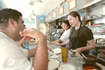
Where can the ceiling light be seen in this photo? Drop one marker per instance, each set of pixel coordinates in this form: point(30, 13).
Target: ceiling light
point(31, 20)
point(32, 14)
point(36, 2)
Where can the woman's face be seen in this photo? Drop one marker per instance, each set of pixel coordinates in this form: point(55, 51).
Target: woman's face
point(72, 20)
point(65, 26)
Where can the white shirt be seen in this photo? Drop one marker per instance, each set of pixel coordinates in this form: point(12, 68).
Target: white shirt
point(65, 35)
point(12, 56)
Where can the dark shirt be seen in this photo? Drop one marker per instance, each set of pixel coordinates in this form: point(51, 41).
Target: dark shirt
point(85, 35)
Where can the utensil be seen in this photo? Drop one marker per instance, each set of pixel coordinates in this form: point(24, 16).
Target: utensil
point(73, 52)
point(83, 55)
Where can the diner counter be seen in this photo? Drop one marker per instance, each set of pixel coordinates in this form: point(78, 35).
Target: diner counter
point(76, 61)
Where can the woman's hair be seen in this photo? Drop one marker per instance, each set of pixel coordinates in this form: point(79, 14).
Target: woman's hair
point(75, 14)
point(66, 22)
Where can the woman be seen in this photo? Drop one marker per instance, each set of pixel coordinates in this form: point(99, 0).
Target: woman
point(66, 26)
point(80, 35)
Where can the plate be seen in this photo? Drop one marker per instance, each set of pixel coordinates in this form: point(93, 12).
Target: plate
point(66, 67)
point(57, 51)
point(53, 64)
point(54, 56)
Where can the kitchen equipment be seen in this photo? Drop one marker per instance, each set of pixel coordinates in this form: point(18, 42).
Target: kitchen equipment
point(57, 35)
point(100, 42)
point(88, 17)
point(90, 59)
point(83, 55)
point(82, 18)
point(100, 29)
point(89, 66)
point(73, 52)
point(94, 16)
point(60, 31)
point(101, 54)
point(97, 24)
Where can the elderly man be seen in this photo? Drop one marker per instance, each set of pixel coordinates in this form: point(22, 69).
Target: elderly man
point(12, 56)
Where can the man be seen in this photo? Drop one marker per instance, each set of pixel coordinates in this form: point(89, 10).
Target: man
point(12, 56)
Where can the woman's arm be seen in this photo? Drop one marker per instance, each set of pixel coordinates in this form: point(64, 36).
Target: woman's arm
point(57, 41)
point(64, 43)
point(91, 45)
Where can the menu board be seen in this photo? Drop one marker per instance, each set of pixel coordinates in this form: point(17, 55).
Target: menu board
point(87, 0)
point(54, 14)
point(46, 18)
point(61, 10)
point(50, 17)
point(71, 4)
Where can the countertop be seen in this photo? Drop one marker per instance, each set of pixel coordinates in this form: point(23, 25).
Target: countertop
point(77, 62)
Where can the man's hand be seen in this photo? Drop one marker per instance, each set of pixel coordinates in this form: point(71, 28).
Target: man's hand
point(50, 50)
point(40, 61)
point(30, 33)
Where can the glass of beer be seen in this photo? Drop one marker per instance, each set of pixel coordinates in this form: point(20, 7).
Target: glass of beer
point(64, 51)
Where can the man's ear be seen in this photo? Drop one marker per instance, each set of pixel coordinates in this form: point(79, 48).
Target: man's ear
point(12, 23)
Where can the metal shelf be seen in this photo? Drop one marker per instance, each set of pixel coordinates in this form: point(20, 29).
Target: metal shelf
point(99, 33)
point(95, 18)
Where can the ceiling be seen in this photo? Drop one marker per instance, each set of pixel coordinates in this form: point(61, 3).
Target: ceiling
point(24, 6)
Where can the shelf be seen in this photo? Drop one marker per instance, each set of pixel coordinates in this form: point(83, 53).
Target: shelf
point(89, 4)
point(95, 18)
point(103, 3)
point(99, 33)
point(101, 61)
point(102, 47)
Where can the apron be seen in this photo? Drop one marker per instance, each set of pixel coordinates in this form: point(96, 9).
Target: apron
point(74, 41)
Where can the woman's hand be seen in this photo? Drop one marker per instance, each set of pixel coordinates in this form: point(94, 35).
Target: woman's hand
point(50, 42)
point(57, 43)
point(78, 50)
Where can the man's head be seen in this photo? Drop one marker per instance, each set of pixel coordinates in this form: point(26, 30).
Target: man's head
point(6, 14)
point(11, 23)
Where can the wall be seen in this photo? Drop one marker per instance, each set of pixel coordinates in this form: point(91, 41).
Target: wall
point(35, 23)
point(28, 23)
point(42, 27)
point(79, 5)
